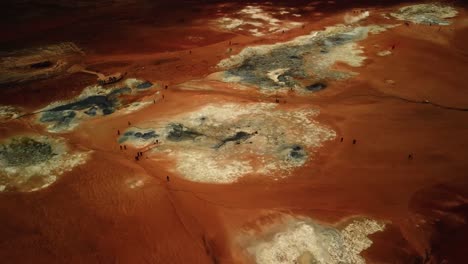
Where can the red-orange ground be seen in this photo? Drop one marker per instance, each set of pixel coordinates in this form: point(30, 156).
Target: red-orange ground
point(91, 216)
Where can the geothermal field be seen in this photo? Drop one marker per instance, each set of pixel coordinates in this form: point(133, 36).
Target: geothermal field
point(234, 132)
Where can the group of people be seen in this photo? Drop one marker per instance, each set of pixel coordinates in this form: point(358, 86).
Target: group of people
point(139, 155)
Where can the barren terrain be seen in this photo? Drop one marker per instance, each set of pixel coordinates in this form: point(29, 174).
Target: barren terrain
point(314, 132)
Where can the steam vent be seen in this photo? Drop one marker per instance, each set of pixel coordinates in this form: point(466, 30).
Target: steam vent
point(222, 132)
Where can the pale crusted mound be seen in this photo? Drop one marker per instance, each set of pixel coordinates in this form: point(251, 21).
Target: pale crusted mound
point(301, 62)
point(219, 143)
point(9, 112)
point(93, 101)
point(303, 241)
point(256, 21)
point(384, 53)
point(426, 14)
point(33, 163)
point(350, 19)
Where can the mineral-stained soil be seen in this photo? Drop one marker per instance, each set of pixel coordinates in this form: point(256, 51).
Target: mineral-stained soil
point(305, 132)
point(38, 63)
point(30, 163)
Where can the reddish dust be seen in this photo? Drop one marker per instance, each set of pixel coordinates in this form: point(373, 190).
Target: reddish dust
point(116, 209)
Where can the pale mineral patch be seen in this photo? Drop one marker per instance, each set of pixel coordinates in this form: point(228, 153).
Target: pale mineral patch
point(385, 16)
point(428, 14)
point(384, 53)
point(136, 182)
point(274, 74)
point(94, 101)
point(299, 240)
point(262, 21)
point(256, 32)
point(231, 23)
point(9, 112)
point(310, 57)
point(220, 143)
point(355, 33)
point(32, 163)
point(350, 19)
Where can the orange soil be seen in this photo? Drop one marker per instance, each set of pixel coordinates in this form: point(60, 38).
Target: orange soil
point(91, 215)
